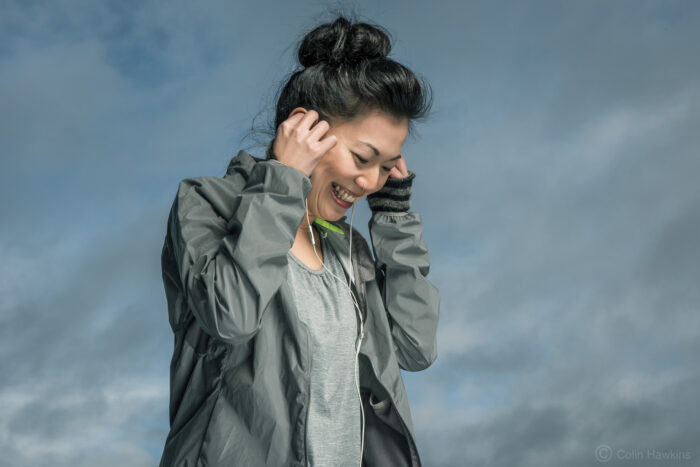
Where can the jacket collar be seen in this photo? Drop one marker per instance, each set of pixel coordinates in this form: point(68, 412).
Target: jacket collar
point(362, 262)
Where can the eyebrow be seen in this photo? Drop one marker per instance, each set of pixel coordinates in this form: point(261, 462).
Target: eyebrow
point(376, 151)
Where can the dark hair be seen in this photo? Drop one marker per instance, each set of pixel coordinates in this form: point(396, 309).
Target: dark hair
point(346, 73)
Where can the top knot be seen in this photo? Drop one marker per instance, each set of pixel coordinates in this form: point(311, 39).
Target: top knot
point(342, 42)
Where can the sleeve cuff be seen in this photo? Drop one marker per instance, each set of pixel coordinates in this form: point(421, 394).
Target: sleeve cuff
point(394, 197)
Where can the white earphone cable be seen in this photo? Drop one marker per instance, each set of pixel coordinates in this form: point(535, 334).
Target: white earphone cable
point(357, 307)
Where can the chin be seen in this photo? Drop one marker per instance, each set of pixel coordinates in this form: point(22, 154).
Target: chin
point(336, 216)
point(335, 212)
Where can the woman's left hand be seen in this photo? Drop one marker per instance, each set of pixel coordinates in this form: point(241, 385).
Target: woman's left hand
point(399, 170)
point(394, 195)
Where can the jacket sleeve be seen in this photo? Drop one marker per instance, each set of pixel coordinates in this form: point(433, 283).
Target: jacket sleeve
point(230, 246)
point(411, 301)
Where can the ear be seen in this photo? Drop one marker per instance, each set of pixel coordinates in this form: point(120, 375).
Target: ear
point(296, 111)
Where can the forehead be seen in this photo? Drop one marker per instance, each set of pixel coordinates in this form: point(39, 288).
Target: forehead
point(377, 118)
point(377, 128)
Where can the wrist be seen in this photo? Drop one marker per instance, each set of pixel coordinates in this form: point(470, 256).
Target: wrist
point(394, 196)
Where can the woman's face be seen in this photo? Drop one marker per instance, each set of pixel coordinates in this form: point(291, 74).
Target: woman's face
point(353, 165)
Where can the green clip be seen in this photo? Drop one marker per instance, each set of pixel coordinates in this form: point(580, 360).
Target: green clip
point(328, 225)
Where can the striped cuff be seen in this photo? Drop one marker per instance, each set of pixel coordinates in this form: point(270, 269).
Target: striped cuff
point(394, 195)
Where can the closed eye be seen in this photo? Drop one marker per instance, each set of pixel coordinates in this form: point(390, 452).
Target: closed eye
point(364, 161)
point(359, 158)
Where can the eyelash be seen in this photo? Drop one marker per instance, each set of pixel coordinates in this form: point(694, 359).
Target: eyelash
point(364, 162)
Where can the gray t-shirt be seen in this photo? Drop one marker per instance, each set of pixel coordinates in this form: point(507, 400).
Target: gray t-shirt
point(325, 306)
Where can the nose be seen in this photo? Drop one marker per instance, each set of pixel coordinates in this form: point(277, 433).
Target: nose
point(367, 180)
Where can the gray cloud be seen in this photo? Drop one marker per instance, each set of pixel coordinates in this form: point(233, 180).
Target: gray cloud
point(556, 181)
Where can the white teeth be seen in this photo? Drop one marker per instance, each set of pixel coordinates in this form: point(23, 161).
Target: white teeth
point(344, 195)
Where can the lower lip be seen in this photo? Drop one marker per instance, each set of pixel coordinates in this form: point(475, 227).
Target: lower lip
point(344, 204)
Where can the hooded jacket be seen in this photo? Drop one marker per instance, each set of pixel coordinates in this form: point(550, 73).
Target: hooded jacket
point(241, 365)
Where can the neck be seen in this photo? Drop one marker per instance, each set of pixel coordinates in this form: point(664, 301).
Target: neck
point(303, 230)
point(308, 218)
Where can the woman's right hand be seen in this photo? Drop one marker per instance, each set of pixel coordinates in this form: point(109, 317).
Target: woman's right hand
point(299, 145)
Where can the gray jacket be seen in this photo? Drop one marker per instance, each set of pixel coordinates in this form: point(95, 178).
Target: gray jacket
point(241, 366)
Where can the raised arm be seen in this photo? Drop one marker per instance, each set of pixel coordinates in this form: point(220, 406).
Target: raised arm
point(411, 301)
point(230, 246)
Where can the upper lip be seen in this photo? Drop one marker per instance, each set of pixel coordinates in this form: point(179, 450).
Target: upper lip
point(354, 195)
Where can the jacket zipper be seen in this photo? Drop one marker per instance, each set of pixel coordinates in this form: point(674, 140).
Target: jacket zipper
point(412, 446)
point(413, 451)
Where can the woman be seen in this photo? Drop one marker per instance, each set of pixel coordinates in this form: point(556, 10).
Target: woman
point(289, 334)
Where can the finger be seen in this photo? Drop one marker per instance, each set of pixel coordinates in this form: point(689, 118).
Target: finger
point(401, 164)
point(395, 173)
point(327, 143)
point(309, 118)
point(290, 123)
point(319, 130)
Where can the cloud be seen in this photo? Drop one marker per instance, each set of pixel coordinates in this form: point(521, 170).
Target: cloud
point(84, 358)
point(556, 181)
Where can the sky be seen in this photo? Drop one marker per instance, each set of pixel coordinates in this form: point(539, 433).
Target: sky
point(555, 177)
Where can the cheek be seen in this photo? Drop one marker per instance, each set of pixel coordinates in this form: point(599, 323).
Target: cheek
point(345, 168)
point(321, 179)
point(382, 181)
point(319, 171)
point(329, 172)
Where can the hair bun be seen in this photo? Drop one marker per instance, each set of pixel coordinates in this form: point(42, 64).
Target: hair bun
point(343, 42)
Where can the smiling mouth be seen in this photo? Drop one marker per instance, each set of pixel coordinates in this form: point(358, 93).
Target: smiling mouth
point(343, 194)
